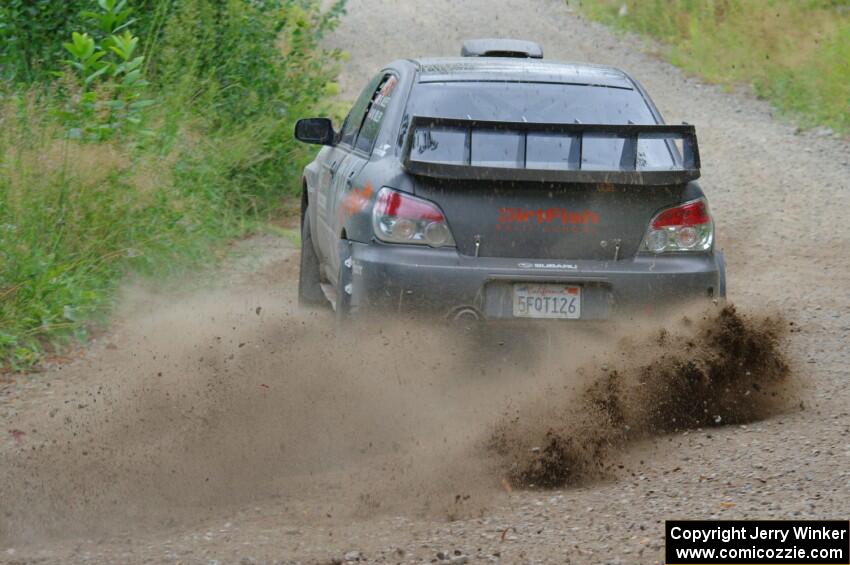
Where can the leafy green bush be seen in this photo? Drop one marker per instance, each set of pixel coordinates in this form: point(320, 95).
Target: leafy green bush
point(112, 65)
point(794, 52)
point(31, 32)
point(142, 150)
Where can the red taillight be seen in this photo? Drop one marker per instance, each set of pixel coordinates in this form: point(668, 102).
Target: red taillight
point(399, 205)
point(690, 214)
point(403, 218)
point(687, 227)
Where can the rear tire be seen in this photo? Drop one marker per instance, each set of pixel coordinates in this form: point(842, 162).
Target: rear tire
point(309, 278)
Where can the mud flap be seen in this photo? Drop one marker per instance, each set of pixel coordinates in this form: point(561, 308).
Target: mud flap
point(344, 303)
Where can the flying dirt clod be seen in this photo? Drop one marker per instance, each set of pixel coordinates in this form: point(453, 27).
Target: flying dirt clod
point(727, 368)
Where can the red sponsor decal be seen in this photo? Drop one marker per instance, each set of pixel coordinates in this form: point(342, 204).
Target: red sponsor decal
point(548, 216)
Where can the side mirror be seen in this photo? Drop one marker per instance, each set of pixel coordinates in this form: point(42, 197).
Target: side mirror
point(315, 130)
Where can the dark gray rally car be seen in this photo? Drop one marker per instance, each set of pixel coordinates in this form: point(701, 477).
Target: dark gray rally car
point(499, 185)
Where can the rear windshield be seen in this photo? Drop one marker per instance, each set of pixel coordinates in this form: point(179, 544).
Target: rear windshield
point(541, 103)
point(530, 102)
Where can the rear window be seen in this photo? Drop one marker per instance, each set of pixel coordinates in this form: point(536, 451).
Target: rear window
point(530, 102)
point(540, 103)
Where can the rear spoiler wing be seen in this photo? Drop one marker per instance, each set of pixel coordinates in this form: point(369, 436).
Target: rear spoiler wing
point(558, 151)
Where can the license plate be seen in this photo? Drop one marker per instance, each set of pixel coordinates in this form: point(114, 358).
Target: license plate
point(547, 301)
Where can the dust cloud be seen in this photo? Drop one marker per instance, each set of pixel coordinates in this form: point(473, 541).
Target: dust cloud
point(216, 402)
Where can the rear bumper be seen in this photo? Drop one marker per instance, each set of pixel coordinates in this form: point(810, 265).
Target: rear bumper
point(441, 281)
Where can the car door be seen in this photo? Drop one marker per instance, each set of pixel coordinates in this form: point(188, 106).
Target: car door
point(358, 149)
point(325, 235)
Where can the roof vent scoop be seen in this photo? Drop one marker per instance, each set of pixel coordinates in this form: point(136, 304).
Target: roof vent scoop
point(501, 48)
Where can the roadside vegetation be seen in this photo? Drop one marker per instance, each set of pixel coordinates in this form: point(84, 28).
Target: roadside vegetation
point(796, 53)
point(139, 136)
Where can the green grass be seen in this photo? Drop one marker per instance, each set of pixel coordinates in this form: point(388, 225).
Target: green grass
point(76, 216)
point(92, 189)
point(795, 53)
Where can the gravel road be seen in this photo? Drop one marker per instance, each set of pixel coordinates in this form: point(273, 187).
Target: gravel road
point(780, 198)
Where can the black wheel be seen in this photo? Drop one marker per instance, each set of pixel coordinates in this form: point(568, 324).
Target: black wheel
point(344, 289)
point(309, 281)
